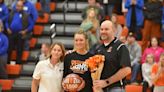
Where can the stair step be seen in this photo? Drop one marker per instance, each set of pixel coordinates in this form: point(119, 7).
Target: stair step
point(33, 55)
point(22, 84)
point(72, 6)
point(69, 30)
point(28, 69)
point(72, 18)
point(67, 41)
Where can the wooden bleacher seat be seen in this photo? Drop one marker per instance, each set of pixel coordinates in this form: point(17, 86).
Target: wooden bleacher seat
point(52, 6)
point(121, 19)
point(13, 55)
point(33, 42)
point(25, 55)
point(6, 84)
point(13, 69)
point(133, 88)
point(44, 19)
point(124, 32)
point(38, 6)
point(38, 30)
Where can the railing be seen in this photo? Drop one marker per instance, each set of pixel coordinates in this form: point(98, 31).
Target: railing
point(75, 5)
point(65, 9)
point(53, 32)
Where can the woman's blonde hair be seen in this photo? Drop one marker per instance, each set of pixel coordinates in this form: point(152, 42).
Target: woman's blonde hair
point(62, 48)
point(81, 32)
point(94, 20)
point(150, 54)
point(92, 9)
point(160, 62)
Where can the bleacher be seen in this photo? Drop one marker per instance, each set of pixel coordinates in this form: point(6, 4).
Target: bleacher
point(20, 75)
point(67, 17)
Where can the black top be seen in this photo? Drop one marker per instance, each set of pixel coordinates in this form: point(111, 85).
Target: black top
point(116, 56)
point(78, 68)
point(153, 11)
point(133, 16)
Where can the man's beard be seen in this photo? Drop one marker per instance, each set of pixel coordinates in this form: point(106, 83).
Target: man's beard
point(104, 37)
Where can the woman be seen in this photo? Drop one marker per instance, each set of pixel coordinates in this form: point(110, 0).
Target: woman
point(154, 48)
point(134, 17)
point(97, 7)
point(153, 17)
point(48, 73)
point(117, 27)
point(3, 53)
point(91, 25)
point(80, 54)
point(158, 75)
point(146, 72)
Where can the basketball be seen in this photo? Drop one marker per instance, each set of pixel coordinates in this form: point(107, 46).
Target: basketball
point(73, 82)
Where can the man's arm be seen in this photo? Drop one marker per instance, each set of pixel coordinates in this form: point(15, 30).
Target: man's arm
point(122, 73)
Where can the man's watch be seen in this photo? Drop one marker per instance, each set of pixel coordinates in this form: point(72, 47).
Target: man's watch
point(107, 81)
